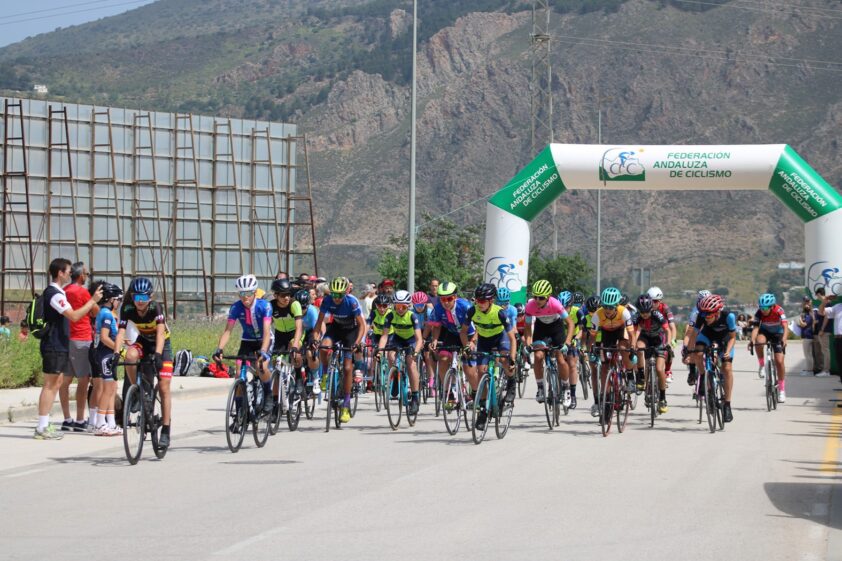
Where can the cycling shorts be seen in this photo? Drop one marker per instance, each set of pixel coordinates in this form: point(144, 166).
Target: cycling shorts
point(653, 345)
point(282, 341)
point(400, 342)
point(448, 338)
point(777, 340)
point(341, 337)
point(612, 338)
point(146, 348)
point(491, 344)
point(552, 334)
point(703, 341)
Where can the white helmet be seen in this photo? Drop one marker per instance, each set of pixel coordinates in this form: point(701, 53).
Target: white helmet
point(702, 294)
point(655, 293)
point(403, 297)
point(246, 283)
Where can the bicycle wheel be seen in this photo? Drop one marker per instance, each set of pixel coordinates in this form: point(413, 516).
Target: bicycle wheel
point(394, 407)
point(328, 394)
point(606, 409)
point(772, 376)
point(407, 393)
point(503, 418)
point(262, 422)
point(632, 396)
point(555, 383)
point(654, 394)
point(309, 403)
point(481, 399)
point(133, 425)
point(355, 398)
point(710, 401)
point(155, 424)
point(719, 397)
point(549, 396)
point(278, 392)
point(378, 390)
point(451, 400)
point(623, 400)
point(437, 396)
point(236, 415)
point(423, 380)
point(584, 377)
point(294, 404)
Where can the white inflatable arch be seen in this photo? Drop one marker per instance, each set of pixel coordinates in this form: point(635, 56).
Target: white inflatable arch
point(560, 167)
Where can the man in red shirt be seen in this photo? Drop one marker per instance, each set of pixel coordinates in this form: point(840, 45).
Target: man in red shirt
point(81, 339)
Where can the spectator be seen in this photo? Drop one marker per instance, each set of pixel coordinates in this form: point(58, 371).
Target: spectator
point(321, 290)
point(833, 312)
point(824, 334)
point(281, 275)
point(742, 324)
point(81, 339)
point(433, 293)
point(806, 321)
point(55, 346)
point(102, 416)
point(387, 287)
point(5, 332)
point(367, 300)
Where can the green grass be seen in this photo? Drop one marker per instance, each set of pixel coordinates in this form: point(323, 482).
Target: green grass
point(20, 363)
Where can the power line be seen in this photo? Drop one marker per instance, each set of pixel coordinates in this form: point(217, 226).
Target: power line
point(767, 8)
point(133, 2)
point(54, 9)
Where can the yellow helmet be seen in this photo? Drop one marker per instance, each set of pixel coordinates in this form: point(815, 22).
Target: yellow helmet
point(339, 285)
point(542, 288)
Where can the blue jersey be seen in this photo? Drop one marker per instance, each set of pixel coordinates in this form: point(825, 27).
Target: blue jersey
point(455, 319)
point(252, 319)
point(310, 317)
point(511, 313)
point(105, 318)
point(423, 317)
point(345, 313)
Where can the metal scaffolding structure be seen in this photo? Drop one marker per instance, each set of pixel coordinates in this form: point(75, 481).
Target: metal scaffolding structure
point(192, 202)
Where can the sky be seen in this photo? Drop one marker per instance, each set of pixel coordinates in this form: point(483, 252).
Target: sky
point(19, 20)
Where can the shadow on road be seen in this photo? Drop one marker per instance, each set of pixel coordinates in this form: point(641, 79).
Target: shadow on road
point(806, 500)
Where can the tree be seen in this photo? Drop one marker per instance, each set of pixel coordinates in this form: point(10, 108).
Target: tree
point(443, 250)
point(564, 272)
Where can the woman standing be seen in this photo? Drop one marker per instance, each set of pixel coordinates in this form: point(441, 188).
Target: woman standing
point(106, 330)
point(807, 322)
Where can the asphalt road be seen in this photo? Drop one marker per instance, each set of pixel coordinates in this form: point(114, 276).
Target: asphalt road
point(766, 488)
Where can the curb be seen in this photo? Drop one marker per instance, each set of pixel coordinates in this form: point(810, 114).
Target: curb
point(16, 414)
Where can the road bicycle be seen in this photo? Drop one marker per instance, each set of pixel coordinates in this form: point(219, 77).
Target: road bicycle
point(334, 393)
point(710, 389)
point(142, 411)
point(245, 406)
point(456, 399)
point(289, 391)
point(652, 391)
point(398, 392)
point(615, 395)
point(522, 367)
point(490, 398)
point(554, 388)
point(771, 381)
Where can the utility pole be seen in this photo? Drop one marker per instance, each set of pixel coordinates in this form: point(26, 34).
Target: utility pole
point(410, 281)
point(541, 89)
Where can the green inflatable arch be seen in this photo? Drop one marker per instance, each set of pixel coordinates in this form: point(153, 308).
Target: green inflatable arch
point(560, 167)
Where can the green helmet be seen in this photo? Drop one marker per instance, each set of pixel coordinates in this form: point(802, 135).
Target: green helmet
point(542, 288)
point(610, 297)
point(339, 285)
point(447, 288)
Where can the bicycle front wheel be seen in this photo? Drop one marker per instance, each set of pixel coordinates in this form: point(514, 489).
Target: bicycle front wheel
point(606, 408)
point(236, 415)
point(481, 398)
point(652, 377)
point(710, 401)
point(262, 422)
point(394, 405)
point(437, 389)
point(277, 412)
point(504, 414)
point(133, 425)
point(294, 404)
point(584, 376)
point(623, 400)
point(451, 401)
point(156, 423)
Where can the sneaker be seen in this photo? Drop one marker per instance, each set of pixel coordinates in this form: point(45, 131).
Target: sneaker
point(90, 428)
point(823, 374)
point(572, 401)
point(691, 379)
point(49, 433)
point(317, 387)
point(102, 430)
point(662, 406)
point(631, 386)
point(805, 373)
point(727, 415)
point(595, 410)
point(80, 426)
point(539, 396)
point(358, 376)
point(412, 407)
point(781, 396)
point(565, 402)
point(761, 372)
point(116, 431)
point(511, 391)
point(481, 417)
point(345, 416)
point(164, 440)
point(669, 376)
point(67, 426)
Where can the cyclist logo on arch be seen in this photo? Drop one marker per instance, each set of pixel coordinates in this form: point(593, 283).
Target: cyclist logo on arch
point(622, 164)
point(820, 274)
point(501, 272)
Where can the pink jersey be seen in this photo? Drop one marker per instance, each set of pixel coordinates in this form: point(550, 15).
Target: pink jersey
point(553, 311)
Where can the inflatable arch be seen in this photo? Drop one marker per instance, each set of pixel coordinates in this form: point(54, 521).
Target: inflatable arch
point(559, 167)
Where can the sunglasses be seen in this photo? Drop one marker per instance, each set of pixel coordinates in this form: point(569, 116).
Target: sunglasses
point(766, 309)
point(609, 308)
point(246, 293)
point(283, 295)
point(337, 295)
point(540, 297)
point(482, 300)
point(447, 298)
point(141, 298)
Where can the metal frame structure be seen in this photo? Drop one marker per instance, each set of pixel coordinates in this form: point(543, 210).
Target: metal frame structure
point(190, 201)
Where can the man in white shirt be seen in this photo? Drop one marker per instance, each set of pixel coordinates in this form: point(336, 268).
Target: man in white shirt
point(834, 312)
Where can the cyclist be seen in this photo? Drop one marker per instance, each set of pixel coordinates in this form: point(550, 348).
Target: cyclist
point(548, 324)
point(423, 312)
point(287, 316)
point(449, 315)
point(494, 334)
point(376, 320)
point(715, 324)
point(347, 329)
point(104, 423)
point(308, 323)
point(694, 314)
point(611, 324)
point(572, 355)
point(504, 298)
point(255, 317)
point(588, 340)
point(402, 331)
point(657, 296)
point(652, 331)
point(770, 325)
point(147, 317)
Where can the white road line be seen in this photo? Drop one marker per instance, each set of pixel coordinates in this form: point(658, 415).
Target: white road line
point(250, 541)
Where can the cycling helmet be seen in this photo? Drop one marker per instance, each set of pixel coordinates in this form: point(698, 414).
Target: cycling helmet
point(141, 285)
point(485, 291)
point(403, 297)
point(503, 295)
point(592, 303)
point(542, 288)
point(519, 308)
point(578, 298)
point(701, 295)
point(447, 289)
point(339, 285)
point(110, 291)
point(565, 297)
point(766, 300)
point(282, 285)
point(246, 283)
point(419, 298)
point(610, 297)
point(382, 300)
point(711, 304)
point(624, 299)
point(655, 293)
point(644, 303)
point(303, 298)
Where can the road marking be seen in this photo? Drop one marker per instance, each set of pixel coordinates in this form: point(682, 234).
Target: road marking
point(23, 473)
point(831, 447)
point(250, 541)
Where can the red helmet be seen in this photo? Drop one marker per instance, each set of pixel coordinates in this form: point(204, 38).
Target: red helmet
point(711, 304)
point(419, 298)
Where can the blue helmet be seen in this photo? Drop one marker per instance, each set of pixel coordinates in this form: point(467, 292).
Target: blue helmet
point(141, 285)
point(503, 295)
point(766, 300)
point(610, 297)
point(565, 296)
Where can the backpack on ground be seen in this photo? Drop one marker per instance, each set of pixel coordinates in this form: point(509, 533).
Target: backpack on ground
point(35, 319)
point(183, 360)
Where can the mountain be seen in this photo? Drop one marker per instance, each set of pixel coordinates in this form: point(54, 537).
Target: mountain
point(667, 71)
